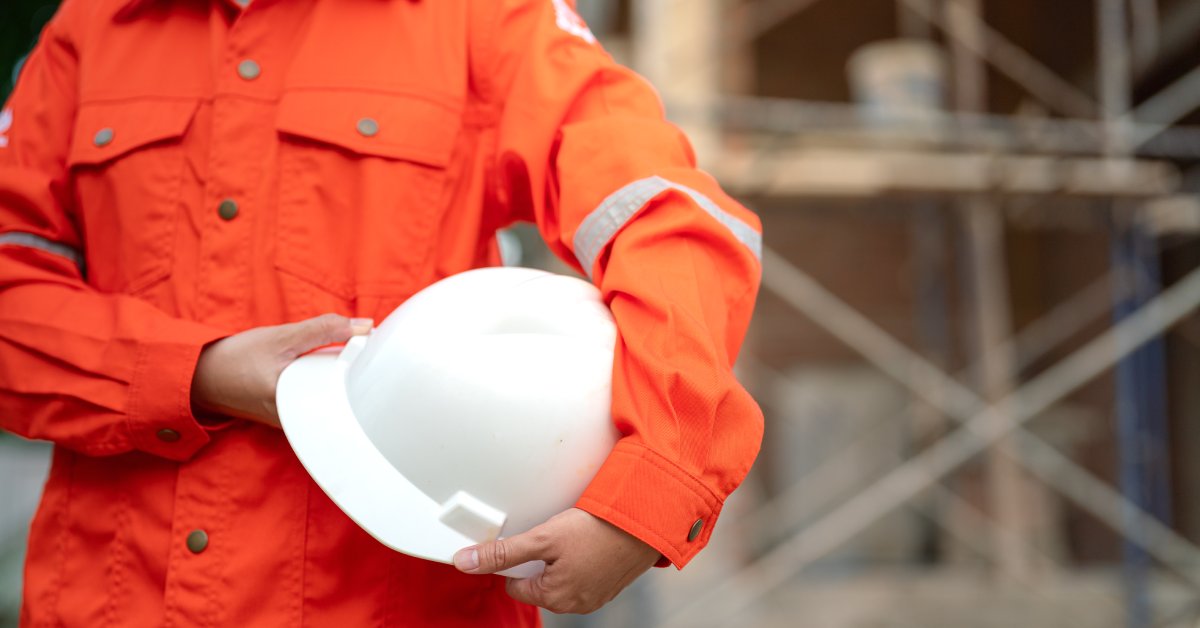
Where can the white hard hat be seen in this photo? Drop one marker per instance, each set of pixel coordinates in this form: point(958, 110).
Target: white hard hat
point(478, 409)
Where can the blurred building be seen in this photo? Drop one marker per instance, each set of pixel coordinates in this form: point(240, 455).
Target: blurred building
point(961, 199)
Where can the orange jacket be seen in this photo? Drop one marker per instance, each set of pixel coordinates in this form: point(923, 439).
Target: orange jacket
point(175, 171)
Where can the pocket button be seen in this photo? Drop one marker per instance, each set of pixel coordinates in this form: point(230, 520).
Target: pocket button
point(367, 127)
point(103, 137)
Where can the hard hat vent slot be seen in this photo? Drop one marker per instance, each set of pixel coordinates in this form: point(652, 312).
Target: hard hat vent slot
point(472, 518)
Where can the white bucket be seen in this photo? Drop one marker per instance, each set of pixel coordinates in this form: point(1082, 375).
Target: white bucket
point(899, 81)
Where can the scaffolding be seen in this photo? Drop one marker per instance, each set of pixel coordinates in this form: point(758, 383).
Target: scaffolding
point(1121, 160)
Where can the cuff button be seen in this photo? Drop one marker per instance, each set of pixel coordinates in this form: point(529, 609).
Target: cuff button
point(695, 531)
point(167, 435)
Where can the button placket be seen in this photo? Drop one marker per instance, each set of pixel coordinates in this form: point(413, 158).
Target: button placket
point(225, 246)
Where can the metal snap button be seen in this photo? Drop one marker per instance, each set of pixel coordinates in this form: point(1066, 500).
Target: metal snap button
point(228, 209)
point(248, 69)
point(368, 127)
point(103, 137)
point(197, 541)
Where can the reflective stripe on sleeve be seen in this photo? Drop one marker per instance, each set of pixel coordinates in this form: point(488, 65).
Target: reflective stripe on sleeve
point(603, 223)
point(31, 240)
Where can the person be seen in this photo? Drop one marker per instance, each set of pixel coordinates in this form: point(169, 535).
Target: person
point(195, 192)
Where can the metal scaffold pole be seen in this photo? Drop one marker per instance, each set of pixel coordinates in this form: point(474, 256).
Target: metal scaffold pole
point(1011, 495)
point(1140, 389)
point(910, 479)
point(1071, 146)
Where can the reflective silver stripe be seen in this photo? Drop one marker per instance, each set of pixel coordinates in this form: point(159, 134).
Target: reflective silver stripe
point(603, 223)
point(20, 238)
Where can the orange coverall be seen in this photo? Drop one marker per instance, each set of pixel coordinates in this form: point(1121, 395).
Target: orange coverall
point(174, 171)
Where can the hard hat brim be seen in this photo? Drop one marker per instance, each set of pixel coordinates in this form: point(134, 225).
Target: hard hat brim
point(319, 423)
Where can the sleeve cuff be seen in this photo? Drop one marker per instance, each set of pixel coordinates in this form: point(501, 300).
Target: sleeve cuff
point(651, 498)
point(160, 416)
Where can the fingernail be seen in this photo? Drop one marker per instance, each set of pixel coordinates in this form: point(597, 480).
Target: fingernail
point(467, 559)
point(360, 326)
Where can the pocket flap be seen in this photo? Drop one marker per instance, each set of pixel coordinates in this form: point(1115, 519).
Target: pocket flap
point(107, 130)
point(396, 126)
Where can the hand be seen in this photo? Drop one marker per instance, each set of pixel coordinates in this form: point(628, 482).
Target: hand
point(236, 376)
point(588, 562)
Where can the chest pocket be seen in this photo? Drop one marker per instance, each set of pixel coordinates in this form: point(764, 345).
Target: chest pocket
point(127, 166)
point(362, 187)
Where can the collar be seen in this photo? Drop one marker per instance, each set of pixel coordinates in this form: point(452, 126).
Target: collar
point(131, 8)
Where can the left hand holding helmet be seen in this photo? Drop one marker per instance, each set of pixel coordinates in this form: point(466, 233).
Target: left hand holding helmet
point(588, 562)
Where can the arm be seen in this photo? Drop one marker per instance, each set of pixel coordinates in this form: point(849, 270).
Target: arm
point(584, 151)
point(107, 373)
point(98, 373)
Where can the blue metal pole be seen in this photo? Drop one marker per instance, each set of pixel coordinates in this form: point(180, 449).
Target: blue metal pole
point(1141, 414)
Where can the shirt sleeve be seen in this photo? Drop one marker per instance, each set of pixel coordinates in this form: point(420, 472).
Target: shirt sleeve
point(584, 151)
point(98, 373)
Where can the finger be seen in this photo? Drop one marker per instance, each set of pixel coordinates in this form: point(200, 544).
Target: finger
point(361, 326)
point(309, 334)
point(501, 554)
point(528, 590)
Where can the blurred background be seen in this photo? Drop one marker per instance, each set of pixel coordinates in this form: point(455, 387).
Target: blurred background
point(975, 346)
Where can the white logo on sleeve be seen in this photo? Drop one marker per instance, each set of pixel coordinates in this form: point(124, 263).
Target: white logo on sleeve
point(5, 124)
point(568, 20)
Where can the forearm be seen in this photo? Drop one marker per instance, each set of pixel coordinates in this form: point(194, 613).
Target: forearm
point(99, 373)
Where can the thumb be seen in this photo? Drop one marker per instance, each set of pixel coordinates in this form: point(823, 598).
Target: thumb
point(499, 555)
point(306, 335)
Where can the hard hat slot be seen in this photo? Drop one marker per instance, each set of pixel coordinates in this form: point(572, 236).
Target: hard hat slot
point(353, 347)
point(472, 518)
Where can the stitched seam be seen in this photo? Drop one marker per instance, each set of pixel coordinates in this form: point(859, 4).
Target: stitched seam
point(223, 507)
point(671, 468)
point(113, 100)
point(116, 555)
point(453, 106)
point(489, 91)
point(135, 405)
point(626, 520)
point(184, 399)
point(53, 617)
point(675, 472)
